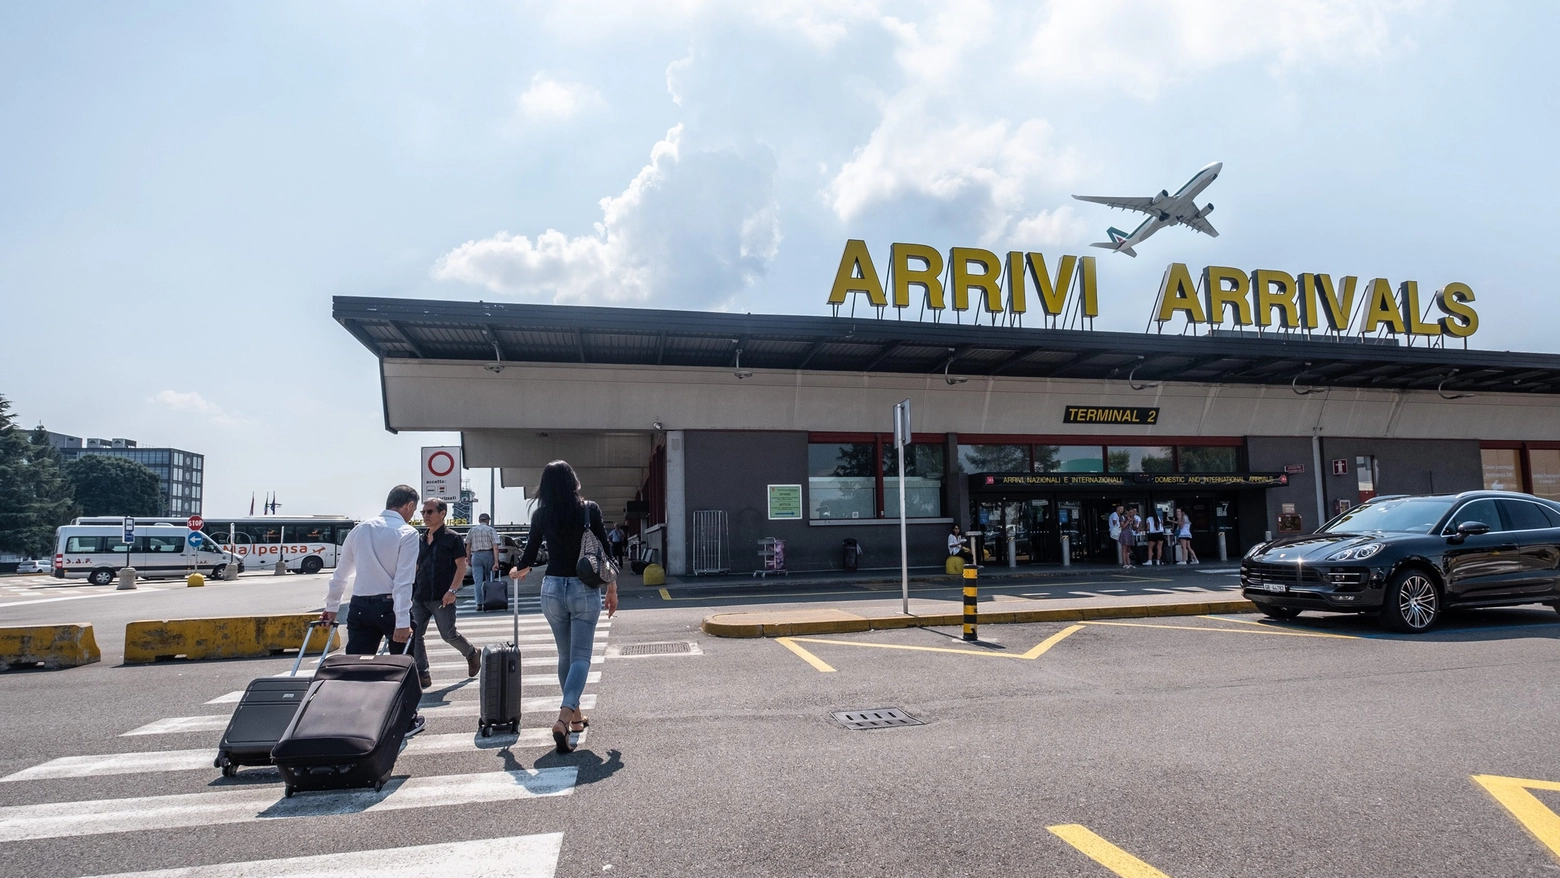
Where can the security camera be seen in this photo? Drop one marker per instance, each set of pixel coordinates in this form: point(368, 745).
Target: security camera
point(495, 368)
point(742, 373)
point(657, 425)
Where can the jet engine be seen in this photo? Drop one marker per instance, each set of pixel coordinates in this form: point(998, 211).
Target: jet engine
point(1163, 194)
point(1207, 209)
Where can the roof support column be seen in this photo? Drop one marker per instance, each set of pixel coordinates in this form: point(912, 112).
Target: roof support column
point(1316, 464)
point(676, 505)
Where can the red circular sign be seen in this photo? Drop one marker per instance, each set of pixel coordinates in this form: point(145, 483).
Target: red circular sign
point(196, 522)
point(434, 464)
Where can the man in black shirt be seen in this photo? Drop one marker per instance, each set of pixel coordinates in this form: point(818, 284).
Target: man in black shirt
point(441, 568)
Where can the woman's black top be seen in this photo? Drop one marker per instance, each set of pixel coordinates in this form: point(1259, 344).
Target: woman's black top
point(563, 543)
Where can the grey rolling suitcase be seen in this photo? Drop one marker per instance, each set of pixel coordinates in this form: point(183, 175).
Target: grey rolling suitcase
point(499, 681)
point(263, 714)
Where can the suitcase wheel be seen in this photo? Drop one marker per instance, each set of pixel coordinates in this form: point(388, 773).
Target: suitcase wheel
point(378, 785)
point(485, 730)
point(219, 762)
point(288, 792)
point(230, 770)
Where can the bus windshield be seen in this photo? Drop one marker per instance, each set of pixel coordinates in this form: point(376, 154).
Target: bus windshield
point(1407, 515)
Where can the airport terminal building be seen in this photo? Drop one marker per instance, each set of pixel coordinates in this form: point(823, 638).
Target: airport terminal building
point(717, 431)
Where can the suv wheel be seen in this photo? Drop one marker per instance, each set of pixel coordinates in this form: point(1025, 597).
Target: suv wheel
point(1412, 603)
point(1279, 612)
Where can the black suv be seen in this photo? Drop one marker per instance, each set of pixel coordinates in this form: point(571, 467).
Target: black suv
point(1409, 559)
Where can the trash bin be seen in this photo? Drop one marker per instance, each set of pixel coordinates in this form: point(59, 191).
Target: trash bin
point(852, 553)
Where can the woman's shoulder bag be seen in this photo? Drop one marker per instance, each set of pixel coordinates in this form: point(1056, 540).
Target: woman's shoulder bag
point(594, 567)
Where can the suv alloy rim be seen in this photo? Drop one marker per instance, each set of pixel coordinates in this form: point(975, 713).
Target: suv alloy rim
point(1416, 601)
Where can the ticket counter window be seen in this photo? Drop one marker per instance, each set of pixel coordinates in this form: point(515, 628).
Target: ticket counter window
point(1502, 469)
point(1068, 459)
point(1546, 472)
point(923, 480)
point(842, 479)
point(1140, 459)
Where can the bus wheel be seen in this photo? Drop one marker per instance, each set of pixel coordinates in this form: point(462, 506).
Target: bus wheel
point(101, 576)
point(311, 564)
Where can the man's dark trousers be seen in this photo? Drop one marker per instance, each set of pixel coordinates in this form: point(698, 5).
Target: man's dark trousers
point(371, 618)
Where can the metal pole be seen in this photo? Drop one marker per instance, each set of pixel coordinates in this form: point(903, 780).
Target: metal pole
point(901, 439)
point(493, 497)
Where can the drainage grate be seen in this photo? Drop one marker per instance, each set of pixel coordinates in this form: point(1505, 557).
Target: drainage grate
point(881, 718)
point(681, 647)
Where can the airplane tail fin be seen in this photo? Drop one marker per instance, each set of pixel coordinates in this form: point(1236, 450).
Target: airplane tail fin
point(1117, 242)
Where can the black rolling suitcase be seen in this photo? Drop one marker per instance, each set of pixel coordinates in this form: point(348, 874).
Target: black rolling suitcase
point(499, 681)
point(349, 729)
point(493, 595)
point(265, 711)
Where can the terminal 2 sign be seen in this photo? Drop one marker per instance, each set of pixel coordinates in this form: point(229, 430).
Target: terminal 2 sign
point(972, 277)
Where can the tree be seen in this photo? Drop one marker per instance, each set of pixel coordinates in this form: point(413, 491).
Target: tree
point(108, 485)
point(35, 496)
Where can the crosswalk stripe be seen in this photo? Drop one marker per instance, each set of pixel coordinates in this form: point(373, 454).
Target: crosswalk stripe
point(528, 706)
point(233, 697)
point(526, 680)
point(62, 819)
point(174, 724)
point(528, 659)
point(521, 856)
point(461, 742)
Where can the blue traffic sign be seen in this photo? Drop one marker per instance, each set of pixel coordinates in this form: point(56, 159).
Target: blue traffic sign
point(195, 539)
point(129, 530)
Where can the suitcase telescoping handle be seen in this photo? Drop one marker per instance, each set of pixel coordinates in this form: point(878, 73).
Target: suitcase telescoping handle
point(514, 605)
point(304, 649)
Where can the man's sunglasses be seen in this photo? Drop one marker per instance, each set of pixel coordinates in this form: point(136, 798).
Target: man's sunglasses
point(433, 512)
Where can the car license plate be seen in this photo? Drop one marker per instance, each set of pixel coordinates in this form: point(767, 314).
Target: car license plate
point(1275, 586)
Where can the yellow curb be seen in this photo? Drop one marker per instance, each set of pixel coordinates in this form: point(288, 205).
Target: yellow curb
point(221, 638)
point(805, 622)
point(53, 646)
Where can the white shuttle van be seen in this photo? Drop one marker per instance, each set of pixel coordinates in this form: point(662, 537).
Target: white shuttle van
point(97, 552)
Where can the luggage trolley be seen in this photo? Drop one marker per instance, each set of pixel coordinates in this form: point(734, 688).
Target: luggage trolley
point(771, 557)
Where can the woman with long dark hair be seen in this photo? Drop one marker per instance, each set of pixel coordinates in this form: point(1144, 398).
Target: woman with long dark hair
point(571, 606)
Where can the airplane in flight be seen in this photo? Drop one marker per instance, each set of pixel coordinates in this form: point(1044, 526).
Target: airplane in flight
point(1163, 210)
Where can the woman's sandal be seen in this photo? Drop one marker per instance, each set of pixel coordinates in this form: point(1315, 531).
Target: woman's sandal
point(561, 738)
point(579, 725)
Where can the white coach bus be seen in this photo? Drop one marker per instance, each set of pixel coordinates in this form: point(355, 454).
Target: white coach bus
point(304, 544)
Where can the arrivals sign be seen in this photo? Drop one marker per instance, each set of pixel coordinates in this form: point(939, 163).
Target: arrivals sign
point(785, 502)
point(441, 472)
point(1012, 284)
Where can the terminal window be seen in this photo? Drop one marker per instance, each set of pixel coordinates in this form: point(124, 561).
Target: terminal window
point(842, 479)
point(1502, 469)
point(1546, 472)
point(1129, 459)
point(923, 480)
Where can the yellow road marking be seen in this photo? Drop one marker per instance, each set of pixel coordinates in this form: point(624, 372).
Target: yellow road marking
point(1512, 794)
point(1039, 649)
point(1103, 852)
point(1054, 639)
point(1270, 625)
point(666, 595)
point(1222, 630)
point(818, 663)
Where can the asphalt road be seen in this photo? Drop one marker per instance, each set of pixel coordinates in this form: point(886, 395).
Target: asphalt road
point(1223, 746)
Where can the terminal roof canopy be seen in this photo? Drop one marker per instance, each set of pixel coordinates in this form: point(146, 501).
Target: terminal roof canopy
point(526, 333)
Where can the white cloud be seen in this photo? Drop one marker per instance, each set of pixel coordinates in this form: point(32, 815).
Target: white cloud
point(694, 227)
point(823, 23)
point(1141, 47)
point(548, 98)
point(1048, 228)
point(193, 403)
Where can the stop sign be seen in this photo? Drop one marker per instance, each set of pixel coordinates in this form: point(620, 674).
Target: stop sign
point(196, 522)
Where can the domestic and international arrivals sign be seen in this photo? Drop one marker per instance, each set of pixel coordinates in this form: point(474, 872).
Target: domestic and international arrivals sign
point(1129, 480)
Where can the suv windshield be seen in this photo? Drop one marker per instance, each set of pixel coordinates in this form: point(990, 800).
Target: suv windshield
point(1409, 515)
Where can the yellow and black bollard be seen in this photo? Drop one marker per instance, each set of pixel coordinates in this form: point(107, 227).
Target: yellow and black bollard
point(971, 593)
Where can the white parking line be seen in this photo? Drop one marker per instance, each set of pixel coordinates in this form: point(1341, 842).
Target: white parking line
point(522, 856)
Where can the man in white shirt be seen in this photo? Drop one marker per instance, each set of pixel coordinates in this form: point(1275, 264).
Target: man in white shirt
point(379, 557)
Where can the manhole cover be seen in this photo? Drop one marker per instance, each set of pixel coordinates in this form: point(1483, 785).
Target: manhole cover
point(880, 718)
point(681, 647)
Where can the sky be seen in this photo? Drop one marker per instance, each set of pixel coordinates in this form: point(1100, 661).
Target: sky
point(186, 185)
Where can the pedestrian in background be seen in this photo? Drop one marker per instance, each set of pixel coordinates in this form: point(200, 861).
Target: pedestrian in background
point(1127, 536)
point(956, 545)
point(571, 607)
point(441, 569)
point(482, 548)
point(1154, 532)
point(1114, 523)
point(617, 538)
point(379, 558)
point(1183, 535)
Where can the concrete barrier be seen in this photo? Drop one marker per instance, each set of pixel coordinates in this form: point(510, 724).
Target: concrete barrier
point(53, 646)
point(233, 637)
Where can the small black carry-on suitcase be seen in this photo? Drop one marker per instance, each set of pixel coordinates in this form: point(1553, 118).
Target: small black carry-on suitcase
point(265, 711)
point(492, 595)
point(349, 728)
point(499, 682)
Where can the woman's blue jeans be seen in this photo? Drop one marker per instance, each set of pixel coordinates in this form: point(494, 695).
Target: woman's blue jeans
point(571, 608)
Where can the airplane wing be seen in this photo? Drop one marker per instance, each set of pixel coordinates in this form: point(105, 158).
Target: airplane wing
point(1201, 224)
point(1142, 205)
